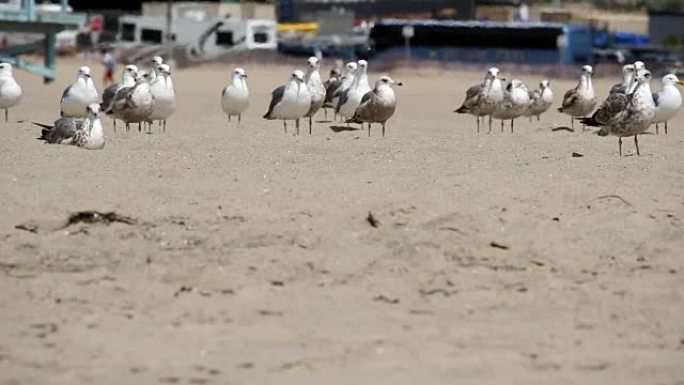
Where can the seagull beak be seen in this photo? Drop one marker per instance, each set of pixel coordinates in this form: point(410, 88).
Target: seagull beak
point(400, 83)
point(244, 76)
point(681, 82)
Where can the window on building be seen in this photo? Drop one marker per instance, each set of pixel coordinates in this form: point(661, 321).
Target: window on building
point(225, 38)
point(153, 36)
point(128, 32)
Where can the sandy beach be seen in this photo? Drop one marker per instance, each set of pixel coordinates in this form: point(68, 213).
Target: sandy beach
point(494, 259)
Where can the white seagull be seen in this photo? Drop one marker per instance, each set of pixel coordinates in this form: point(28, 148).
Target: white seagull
point(515, 102)
point(627, 80)
point(540, 100)
point(377, 106)
point(291, 101)
point(668, 101)
point(87, 133)
point(351, 98)
point(154, 70)
point(235, 97)
point(130, 73)
point(482, 98)
point(79, 95)
point(581, 100)
point(336, 88)
point(626, 115)
point(10, 91)
point(313, 81)
point(164, 95)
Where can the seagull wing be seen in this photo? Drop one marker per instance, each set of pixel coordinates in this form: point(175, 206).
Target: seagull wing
point(276, 97)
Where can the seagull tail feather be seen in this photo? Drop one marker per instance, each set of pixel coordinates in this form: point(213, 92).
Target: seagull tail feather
point(462, 110)
point(590, 122)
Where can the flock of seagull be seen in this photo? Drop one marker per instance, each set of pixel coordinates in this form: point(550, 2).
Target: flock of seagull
point(630, 109)
point(144, 97)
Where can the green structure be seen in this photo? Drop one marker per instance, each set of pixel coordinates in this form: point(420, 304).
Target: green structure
point(25, 19)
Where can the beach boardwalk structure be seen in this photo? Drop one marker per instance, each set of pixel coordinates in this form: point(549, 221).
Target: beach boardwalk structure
point(22, 16)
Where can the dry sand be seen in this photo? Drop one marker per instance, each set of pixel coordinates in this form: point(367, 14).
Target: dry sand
point(253, 261)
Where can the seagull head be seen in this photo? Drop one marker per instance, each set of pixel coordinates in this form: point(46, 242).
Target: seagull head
point(642, 76)
point(672, 79)
point(351, 67)
point(335, 72)
point(628, 69)
point(298, 76)
point(156, 61)
point(130, 70)
point(363, 65)
point(544, 84)
point(93, 110)
point(83, 72)
point(314, 62)
point(587, 70)
point(239, 73)
point(516, 83)
point(164, 69)
point(639, 65)
point(386, 81)
point(5, 68)
point(492, 72)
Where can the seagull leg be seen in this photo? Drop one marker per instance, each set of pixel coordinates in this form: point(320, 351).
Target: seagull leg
point(512, 120)
point(636, 143)
point(310, 125)
point(239, 119)
point(369, 129)
point(6, 114)
point(502, 125)
point(657, 133)
point(285, 126)
point(164, 126)
point(383, 130)
point(478, 124)
point(128, 126)
point(139, 127)
point(325, 111)
point(530, 118)
point(665, 128)
point(538, 117)
point(620, 144)
point(490, 124)
point(572, 124)
point(297, 126)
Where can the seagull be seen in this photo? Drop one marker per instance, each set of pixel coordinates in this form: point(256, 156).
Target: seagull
point(235, 97)
point(377, 106)
point(482, 98)
point(130, 72)
point(291, 101)
point(627, 80)
point(514, 104)
point(87, 133)
point(626, 115)
point(334, 80)
point(351, 98)
point(638, 65)
point(133, 104)
point(540, 100)
point(668, 101)
point(79, 95)
point(581, 100)
point(10, 91)
point(335, 89)
point(154, 72)
point(164, 95)
point(316, 87)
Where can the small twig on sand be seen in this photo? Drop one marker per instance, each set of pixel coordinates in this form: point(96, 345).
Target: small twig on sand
point(612, 196)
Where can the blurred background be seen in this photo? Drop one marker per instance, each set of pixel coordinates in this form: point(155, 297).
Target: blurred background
point(559, 33)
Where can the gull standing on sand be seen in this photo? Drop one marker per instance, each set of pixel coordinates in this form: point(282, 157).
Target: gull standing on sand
point(164, 95)
point(87, 133)
point(154, 70)
point(668, 101)
point(482, 98)
point(235, 97)
point(351, 98)
point(626, 115)
point(133, 104)
point(291, 101)
point(130, 73)
point(79, 95)
point(514, 104)
point(313, 81)
point(581, 100)
point(10, 91)
point(627, 80)
point(335, 89)
point(334, 80)
point(377, 106)
point(540, 100)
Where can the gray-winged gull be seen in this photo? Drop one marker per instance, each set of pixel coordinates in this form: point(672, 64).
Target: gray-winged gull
point(626, 115)
point(79, 95)
point(291, 101)
point(128, 76)
point(581, 100)
point(235, 97)
point(133, 104)
point(378, 105)
point(313, 81)
point(10, 91)
point(334, 80)
point(668, 101)
point(540, 100)
point(627, 80)
point(482, 98)
point(335, 89)
point(514, 104)
point(164, 95)
point(87, 133)
point(351, 98)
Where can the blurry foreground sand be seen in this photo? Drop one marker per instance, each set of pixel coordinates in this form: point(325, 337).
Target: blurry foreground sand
point(254, 263)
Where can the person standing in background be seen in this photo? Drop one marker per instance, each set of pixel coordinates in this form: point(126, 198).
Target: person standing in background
point(110, 65)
